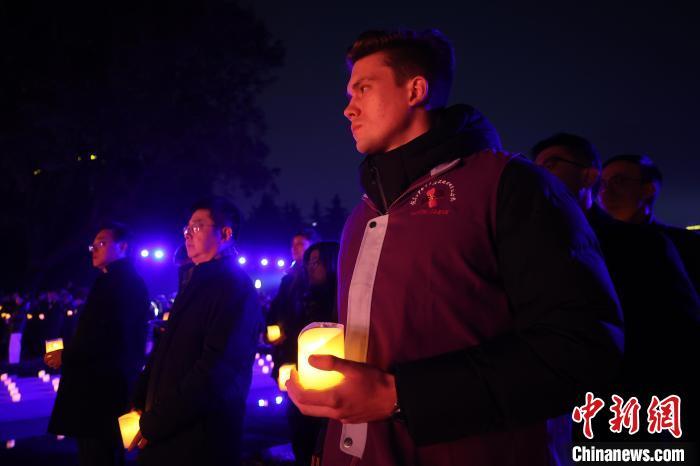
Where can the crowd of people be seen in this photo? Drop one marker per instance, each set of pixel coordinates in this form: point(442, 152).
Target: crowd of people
point(27, 320)
point(482, 295)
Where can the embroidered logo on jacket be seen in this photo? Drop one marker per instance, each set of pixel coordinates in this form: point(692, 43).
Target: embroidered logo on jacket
point(429, 197)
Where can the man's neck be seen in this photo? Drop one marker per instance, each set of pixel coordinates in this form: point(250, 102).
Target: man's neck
point(418, 125)
point(585, 199)
point(640, 216)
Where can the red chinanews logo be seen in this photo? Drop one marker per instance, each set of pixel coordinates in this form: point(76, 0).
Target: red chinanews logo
point(662, 415)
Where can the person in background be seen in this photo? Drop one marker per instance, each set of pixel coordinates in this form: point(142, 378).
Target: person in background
point(193, 390)
point(100, 364)
point(660, 307)
point(317, 304)
point(284, 305)
point(630, 186)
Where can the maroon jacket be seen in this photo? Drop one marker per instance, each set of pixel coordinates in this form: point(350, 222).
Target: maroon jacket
point(445, 274)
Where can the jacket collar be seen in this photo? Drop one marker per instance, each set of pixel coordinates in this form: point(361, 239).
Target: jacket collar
point(119, 265)
point(456, 132)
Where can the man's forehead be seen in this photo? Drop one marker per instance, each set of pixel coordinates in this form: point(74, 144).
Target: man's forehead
point(200, 215)
point(554, 151)
point(623, 167)
point(368, 68)
point(103, 235)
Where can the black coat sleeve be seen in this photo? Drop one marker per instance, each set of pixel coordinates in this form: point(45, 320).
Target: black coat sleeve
point(566, 335)
point(221, 375)
point(138, 397)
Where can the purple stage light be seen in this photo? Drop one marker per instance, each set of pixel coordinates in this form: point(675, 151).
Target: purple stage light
point(264, 262)
point(145, 253)
point(280, 263)
point(159, 254)
point(258, 284)
point(242, 260)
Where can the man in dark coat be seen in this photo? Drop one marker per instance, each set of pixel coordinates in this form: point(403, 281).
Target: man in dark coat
point(193, 390)
point(630, 185)
point(102, 361)
point(660, 306)
point(284, 307)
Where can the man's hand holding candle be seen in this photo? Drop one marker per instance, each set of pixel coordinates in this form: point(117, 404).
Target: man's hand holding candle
point(365, 394)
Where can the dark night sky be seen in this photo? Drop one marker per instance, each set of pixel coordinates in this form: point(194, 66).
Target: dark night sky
point(625, 76)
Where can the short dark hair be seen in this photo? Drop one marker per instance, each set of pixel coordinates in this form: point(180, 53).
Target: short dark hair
point(120, 232)
point(221, 211)
point(308, 233)
point(411, 53)
point(579, 147)
point(648, 169)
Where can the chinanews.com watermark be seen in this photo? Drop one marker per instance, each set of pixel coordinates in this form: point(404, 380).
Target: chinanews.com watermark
point(661, 418)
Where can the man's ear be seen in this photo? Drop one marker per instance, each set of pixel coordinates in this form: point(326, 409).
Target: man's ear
point(123, 246)
point(590, 176)
point(649, 191)
point(418, 90)
point(227, 233)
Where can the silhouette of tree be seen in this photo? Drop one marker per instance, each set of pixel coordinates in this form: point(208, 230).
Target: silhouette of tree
point(129, 110)
point(333, 220)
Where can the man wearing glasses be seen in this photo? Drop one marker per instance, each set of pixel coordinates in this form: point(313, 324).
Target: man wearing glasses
point(192, 392)
point(660, 306)
point(630, 186)
point(101, 363)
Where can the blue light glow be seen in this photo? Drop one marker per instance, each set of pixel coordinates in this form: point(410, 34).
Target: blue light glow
point(159, 254)
point(264, 262)
point(280, 263)
point(242, 260)
point(145, 253)
point(258, 284)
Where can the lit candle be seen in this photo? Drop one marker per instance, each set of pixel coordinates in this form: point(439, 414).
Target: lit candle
point(285, 373)
point(129, 427)
point(273, 333)
point(54, 345)
point(320, 338)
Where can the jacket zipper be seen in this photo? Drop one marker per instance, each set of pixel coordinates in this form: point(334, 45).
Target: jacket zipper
point(412, 188)
point(378, 180)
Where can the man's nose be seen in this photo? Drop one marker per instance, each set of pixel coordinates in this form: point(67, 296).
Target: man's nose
point(351, 111)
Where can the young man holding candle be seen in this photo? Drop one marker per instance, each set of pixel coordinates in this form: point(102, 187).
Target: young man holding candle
point(193, 390)
point(475, 299)
point(101, 363)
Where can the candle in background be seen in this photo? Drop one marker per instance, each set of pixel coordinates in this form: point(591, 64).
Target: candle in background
point(285, 373)
point(54, 345)
point(273, 333)
point(320, 338)
point(129, 427)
